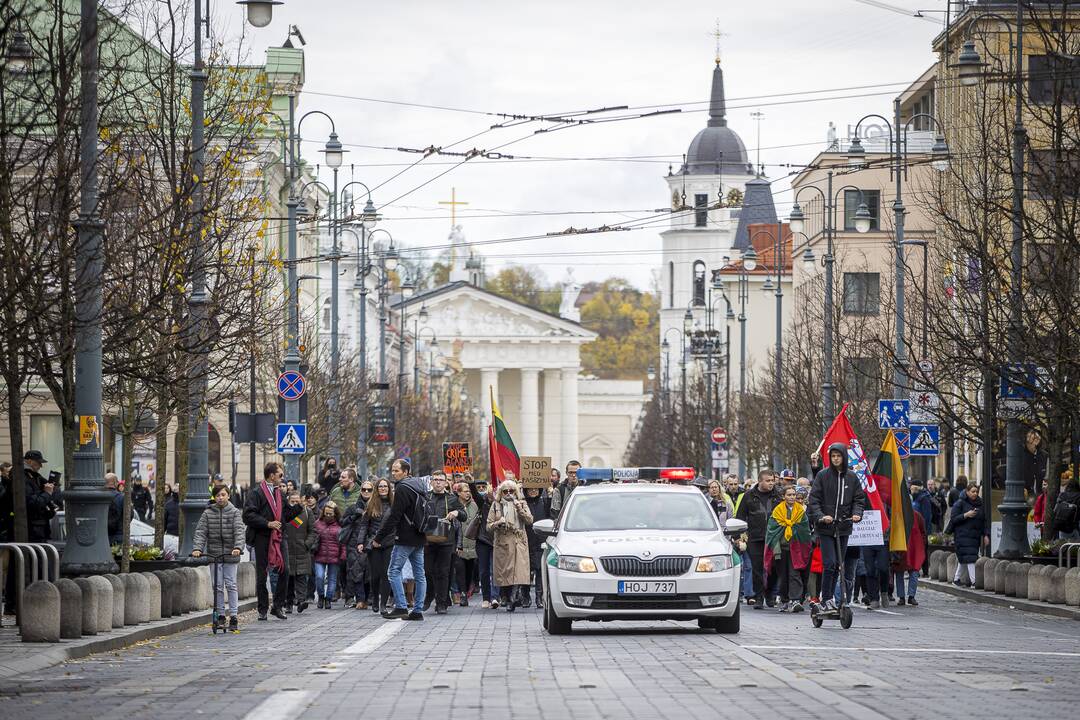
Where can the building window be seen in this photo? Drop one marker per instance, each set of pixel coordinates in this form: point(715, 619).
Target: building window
point(326, 315)
point(1053, 79)
point(852, 198)
point(671, 283)
point(861, 378)
point(1053, 174)
point(701, 210)
point(47, 435)
point(699, 282)
point(862, 293)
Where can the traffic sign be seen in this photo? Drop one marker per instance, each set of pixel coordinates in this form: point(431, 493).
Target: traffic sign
point(925, 440)
point(291, 385)
point(924, 405)
point(893, 414)
point(292, 438)
point(902, 439)
point(719, 435)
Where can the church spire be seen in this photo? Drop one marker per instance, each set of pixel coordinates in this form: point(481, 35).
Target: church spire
point(717, 105)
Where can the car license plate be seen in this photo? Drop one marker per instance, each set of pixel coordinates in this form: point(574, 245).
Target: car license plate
point(646, 587)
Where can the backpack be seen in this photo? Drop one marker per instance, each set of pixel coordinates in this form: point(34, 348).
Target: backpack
point(1066, 516)
point(418, 517)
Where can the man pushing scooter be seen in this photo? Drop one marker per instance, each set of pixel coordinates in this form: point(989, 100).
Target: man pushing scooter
point(836, 502)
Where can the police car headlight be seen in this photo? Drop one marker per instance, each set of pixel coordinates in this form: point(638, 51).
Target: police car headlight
point(575, 563)
point(713, 563)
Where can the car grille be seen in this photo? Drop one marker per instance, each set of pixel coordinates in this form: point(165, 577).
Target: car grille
point(657, 567)
point(645, 602)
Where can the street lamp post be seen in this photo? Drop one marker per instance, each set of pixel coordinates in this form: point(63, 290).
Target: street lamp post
point(970, 68)
point(87, 551)
point(665, 347)
point(747, 265)
point(406, 293)
point(197, 492)
point(797, 223)
point(778, 291)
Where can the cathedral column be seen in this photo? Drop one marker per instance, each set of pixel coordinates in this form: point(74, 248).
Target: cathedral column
point(570, 413)
point(553, 405)
point(489, 378)
point(530, 411)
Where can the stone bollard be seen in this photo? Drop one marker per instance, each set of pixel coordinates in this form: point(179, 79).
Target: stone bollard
point(40, 621)
point(951, 563)
point(176, 589)
point(154, 595)
point(990, 570)
point(980, 571)
point(935, 562)
point(104, 591)
point(133, 598)
point(1072, 587)
point(1020, 581)
point(1056, 594)
point(245, 580)
point(1034, 582)
point(166, 596)
point(90, 601)
point(1001, 577)
point(204, 589)
point(118, 600)
point(189, 579)
point(71, 613)
point(1044, 583)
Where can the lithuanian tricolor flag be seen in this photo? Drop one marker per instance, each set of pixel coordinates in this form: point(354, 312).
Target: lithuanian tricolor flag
point(503, 455)
point(297, 521)
point(889, 471)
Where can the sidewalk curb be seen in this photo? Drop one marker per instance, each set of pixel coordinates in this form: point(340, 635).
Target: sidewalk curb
point(56, 653)
point(989, 598)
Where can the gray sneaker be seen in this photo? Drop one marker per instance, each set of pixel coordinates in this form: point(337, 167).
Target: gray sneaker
point(796, 607)
point(785, 608)
point(875, 605)
point(829, 605)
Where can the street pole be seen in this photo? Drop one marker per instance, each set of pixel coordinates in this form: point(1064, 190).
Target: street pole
point(900, 388)
point(335, 391)
point(744, 290)
point(828, 390)
point(252, 399)
point(292, 349)
point(361, 331)
point(778, 419)
point(1013, 509)
point(197, 494)
point(87, 550)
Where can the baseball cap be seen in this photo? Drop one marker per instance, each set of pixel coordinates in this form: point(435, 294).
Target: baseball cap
point(788, 474)
point(36, 456)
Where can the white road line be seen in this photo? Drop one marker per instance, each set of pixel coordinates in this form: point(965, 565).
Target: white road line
point(887, 612)
point(830, 700)
point(374, 639)
point(912, 650)
point(281, 706)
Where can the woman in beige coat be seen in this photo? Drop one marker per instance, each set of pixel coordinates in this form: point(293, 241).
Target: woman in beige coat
point(507, 520)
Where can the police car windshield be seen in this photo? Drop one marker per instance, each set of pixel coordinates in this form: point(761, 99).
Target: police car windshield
point(640, 511)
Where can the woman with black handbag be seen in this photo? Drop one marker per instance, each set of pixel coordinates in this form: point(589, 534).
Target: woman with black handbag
point(465, 555)
point(439, 551)
point(378, 557)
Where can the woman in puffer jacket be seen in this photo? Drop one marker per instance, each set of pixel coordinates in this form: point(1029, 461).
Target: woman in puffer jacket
point(328, 555)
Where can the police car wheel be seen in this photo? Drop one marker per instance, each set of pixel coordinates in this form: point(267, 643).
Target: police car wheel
point(728, 625)
point(554, 624)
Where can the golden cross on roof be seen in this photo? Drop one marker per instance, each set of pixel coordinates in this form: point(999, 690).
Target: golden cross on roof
point(453, 202)
point(717, 35)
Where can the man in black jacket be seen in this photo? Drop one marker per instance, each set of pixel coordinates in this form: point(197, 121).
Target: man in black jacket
point(40, 498)
point(836, 502)
point(141, 500)
point(265, 513)
point(405, 523)
point(754, 509)
point(439, 555)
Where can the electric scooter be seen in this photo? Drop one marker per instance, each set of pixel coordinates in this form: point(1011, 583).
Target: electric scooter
point(818, 614)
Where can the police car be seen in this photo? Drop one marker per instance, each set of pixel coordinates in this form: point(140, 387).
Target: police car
point(639, 544)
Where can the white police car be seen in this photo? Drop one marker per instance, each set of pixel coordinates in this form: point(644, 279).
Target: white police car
point(627, 549)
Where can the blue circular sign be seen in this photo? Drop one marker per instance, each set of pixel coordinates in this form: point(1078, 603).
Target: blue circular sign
point(291, 385)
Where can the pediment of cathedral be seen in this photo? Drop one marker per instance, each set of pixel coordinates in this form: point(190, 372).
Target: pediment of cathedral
point(462, 311)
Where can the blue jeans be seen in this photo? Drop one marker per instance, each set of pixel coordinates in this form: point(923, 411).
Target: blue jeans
point(912, 583)
point(485, 563)
point(746, 575)
point(398, 557)
point(326, 580)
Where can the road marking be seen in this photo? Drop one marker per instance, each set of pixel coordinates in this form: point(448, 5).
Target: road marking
point(830, 699)
point(912, 650)
point(374, 639)
point(281, 706)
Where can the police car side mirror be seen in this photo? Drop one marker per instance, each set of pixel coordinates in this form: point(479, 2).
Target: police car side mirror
point(735, 527)
point(546, 528)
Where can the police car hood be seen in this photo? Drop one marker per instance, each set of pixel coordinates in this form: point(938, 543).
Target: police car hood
point(656, 543)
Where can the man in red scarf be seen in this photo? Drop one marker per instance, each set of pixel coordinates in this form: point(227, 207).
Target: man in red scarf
point(265, 511)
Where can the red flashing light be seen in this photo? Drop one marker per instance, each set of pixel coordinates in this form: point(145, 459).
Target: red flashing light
point(677, 473)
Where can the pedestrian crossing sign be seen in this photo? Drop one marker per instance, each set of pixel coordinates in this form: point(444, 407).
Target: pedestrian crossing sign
point(925, 440)
point(292, 438)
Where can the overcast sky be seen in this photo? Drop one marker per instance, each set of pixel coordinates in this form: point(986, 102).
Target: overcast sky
point(559, 56)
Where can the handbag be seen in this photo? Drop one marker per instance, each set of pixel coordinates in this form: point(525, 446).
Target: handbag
point(472, 530)
point(440, 533)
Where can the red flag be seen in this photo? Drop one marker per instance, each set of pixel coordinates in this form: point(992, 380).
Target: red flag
point(841, 432)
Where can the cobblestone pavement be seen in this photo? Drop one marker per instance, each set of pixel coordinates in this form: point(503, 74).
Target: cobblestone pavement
point(945, 658)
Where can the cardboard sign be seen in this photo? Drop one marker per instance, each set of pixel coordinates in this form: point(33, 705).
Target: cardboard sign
point(535, 472)
point(868, 531)
point(456, 457)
